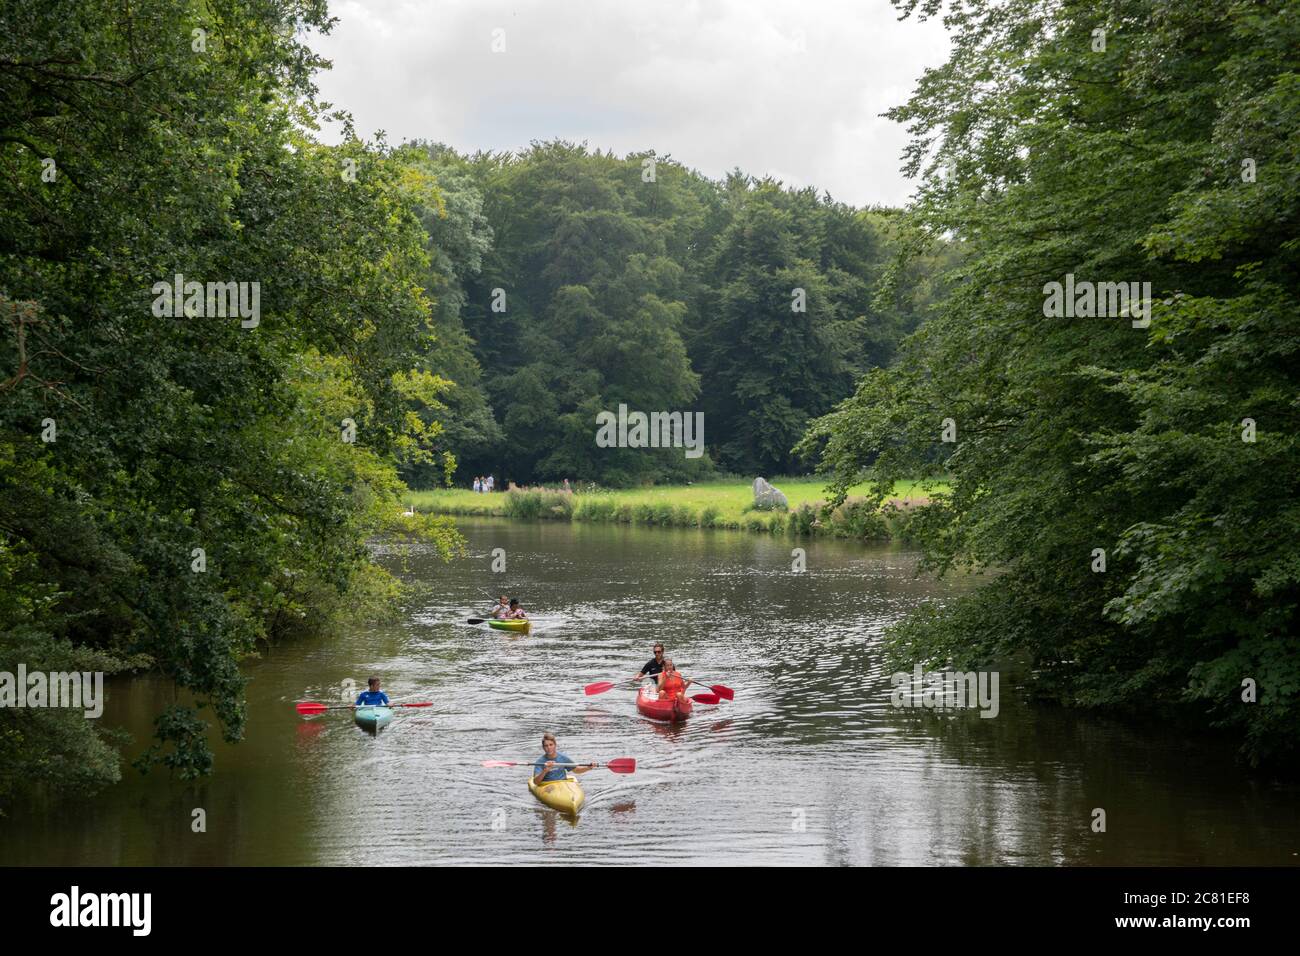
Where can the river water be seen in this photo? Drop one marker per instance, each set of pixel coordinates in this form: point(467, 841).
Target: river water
point(810, 764)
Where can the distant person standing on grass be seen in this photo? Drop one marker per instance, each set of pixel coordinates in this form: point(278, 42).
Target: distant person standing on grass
point(492, 484)
point(476, 484)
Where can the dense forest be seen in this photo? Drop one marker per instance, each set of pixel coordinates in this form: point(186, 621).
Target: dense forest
point(567, 281)
point(1136, 479)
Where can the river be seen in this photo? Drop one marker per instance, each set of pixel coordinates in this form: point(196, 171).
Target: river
point(810, 764)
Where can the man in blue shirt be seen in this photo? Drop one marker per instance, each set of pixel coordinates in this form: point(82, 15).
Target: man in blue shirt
point(545, 768)
point(374, 697)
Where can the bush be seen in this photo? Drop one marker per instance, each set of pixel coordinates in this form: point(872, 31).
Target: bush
point(802, 518)
point(856, 518)
point(532, 505)
point(596, 508)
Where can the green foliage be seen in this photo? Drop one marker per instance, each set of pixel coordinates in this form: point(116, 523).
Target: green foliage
point(175, 434)
point(671, 295)
point(451, 211)
point(530, 504)
point(1076, 434)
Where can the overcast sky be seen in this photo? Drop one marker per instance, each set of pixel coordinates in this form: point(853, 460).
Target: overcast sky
point(787, 88)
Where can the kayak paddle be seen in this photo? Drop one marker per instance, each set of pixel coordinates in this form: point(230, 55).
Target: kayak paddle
point(706, 698)
point(617, 765)
point(308, 707)
point(722, 690)
point(601, 686)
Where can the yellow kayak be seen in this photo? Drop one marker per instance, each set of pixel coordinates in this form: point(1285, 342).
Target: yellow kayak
point(519, 625)
point(563, 795)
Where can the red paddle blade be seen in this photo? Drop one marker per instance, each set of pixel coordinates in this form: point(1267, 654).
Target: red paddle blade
point(706, 698)
point(423, 703)
point(622, 765)
point(499, 763)
point(307, 707)
point(723, 691)
point(598, 688)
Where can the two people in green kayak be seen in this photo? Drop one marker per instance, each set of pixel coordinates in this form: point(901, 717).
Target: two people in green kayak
point(551, 764)
point(508, 609)
point(671, 684)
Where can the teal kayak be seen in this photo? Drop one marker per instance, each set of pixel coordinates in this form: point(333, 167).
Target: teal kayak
point(372, 718)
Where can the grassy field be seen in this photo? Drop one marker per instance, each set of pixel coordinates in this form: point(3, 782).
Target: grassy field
point(719, 504)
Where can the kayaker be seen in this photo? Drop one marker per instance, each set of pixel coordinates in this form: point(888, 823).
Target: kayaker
point(655, 667)
point(373, 697)
point(672, 686)
point(502, 609)
point(516, 613)
point(545, 768)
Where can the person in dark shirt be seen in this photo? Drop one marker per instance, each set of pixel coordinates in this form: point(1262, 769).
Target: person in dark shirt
point(374, 697)
point(654, 667)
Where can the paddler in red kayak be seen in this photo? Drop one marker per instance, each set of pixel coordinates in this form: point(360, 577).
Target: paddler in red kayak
point(672, 686)
point(655, 667)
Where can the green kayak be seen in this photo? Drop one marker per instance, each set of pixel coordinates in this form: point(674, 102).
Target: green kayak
point(520, 626)
point(372, 718)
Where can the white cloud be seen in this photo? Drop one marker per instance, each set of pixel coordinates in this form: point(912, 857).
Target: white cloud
point(774, 87)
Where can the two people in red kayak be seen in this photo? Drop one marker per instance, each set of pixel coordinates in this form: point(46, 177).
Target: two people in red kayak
point(671, 684)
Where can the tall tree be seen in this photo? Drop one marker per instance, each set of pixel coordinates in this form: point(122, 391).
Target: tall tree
point(179, 483)
point(1137, 482)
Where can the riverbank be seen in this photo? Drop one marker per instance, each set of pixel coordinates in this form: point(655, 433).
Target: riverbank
point(720, 504)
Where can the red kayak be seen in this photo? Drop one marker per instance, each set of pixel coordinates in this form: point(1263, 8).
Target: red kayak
point(649, 704)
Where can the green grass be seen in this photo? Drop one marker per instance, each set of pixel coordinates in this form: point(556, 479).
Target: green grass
point(715, 504)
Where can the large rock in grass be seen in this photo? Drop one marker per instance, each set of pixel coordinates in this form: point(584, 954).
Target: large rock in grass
point(769, 498)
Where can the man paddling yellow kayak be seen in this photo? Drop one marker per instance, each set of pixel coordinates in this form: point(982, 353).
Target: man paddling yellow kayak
point(557, 786)
point(545, 768)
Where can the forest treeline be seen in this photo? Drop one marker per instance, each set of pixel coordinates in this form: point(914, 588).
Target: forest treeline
point(568, 281)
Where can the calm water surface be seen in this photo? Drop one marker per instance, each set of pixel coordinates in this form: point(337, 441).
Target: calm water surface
point(809, 765)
